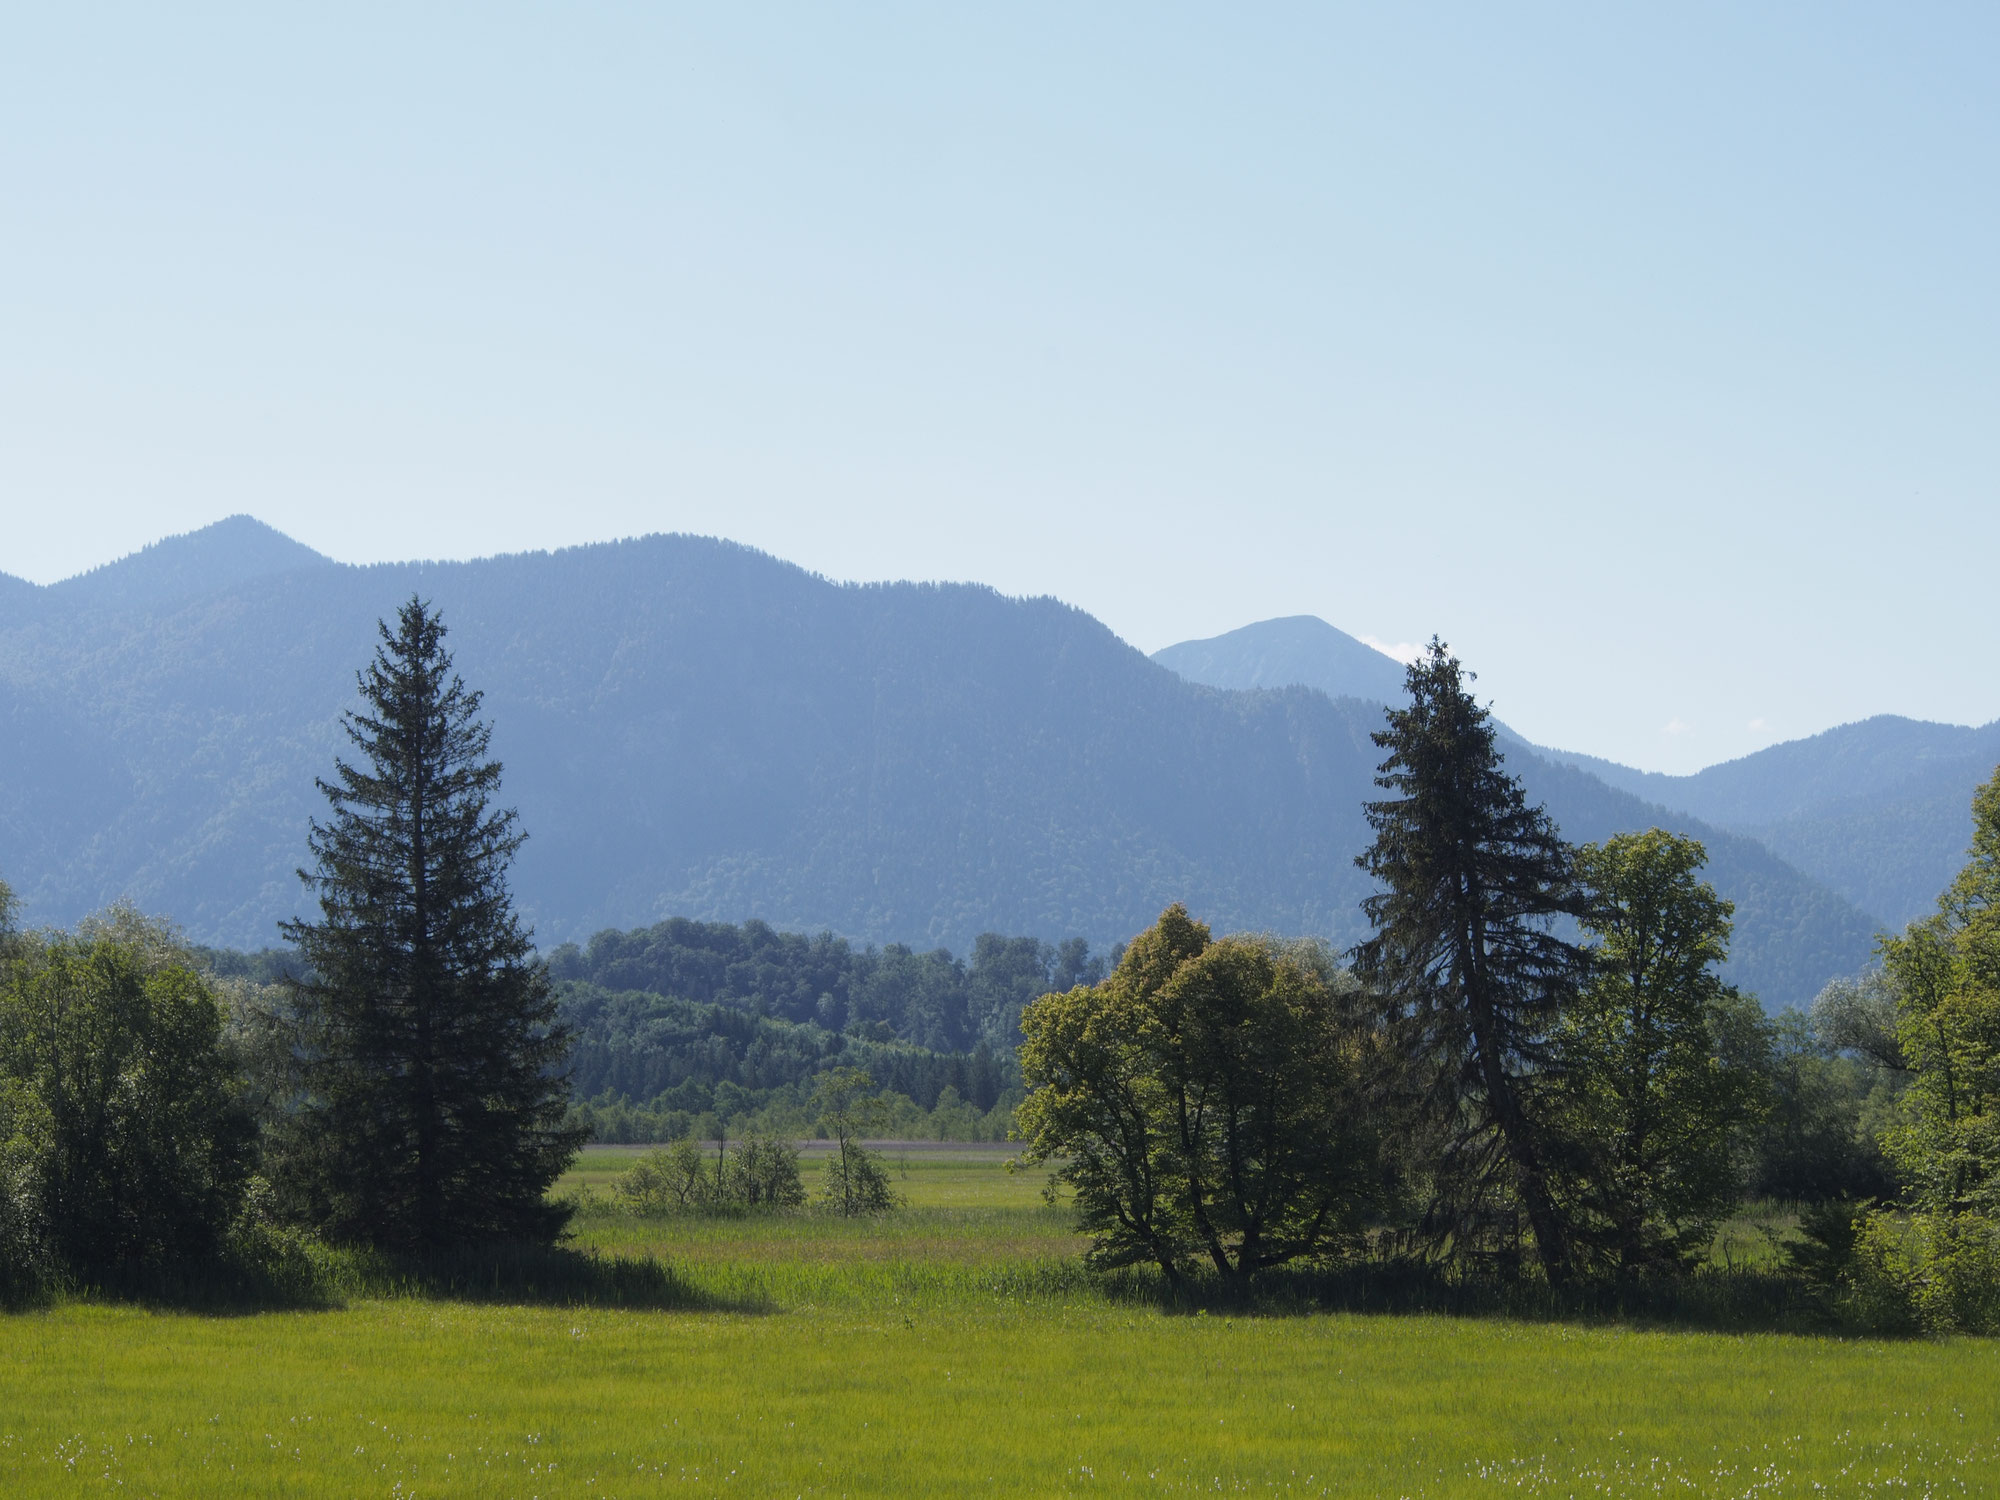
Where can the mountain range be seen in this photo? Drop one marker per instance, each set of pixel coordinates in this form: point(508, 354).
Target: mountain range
point(1879, 811)
point(694, 728)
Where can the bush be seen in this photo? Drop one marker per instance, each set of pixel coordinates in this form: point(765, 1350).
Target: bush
point(764, 1173)
point(23, 1234)
point(1939, 1273)
point(857, 1182)
point(673, 1179)
point(758, 1172)
point(850, 1107)
point(124, 1143)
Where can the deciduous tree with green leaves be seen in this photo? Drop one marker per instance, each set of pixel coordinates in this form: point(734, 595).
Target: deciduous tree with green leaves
point(849, 1106)
point(1207, 1102)
point(1658, 1065)
point(672, 1179)
point(427, 1039)
point(123, 1134)
point(1946, 973)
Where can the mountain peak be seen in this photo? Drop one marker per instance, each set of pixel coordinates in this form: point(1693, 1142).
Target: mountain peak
point(234, 550)
point(1291, 651)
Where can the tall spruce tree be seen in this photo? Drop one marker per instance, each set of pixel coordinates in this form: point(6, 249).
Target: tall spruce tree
point(433, 1111)
point(1465, 955)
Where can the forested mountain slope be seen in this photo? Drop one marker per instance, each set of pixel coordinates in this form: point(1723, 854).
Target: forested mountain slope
point(1878, 811)
point(692, 728)
point(237, 550)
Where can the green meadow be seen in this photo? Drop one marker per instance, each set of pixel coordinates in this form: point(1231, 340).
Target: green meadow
point(956, 1346)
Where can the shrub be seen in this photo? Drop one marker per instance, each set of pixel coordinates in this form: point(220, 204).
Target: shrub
point(673, 1179)
point(124, 1143)
point(1937, 1272)
point(759, 1172)
point(763, 1172)
point(857, 1183)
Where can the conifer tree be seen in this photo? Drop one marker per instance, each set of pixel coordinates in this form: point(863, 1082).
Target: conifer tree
point(433, 1109)
point(1465, 956)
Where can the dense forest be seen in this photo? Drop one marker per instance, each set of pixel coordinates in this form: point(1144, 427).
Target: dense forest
point(929, 1000)
point(688, 1019)
point(687, 1022)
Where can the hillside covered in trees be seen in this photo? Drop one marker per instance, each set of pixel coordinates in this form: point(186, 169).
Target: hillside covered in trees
point(715, 1018)
point(691, 728)
point(1876, 811)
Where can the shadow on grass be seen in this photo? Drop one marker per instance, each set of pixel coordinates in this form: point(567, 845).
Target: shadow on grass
point(536, 1275)
point(301, 1275)
point(1733, 1301)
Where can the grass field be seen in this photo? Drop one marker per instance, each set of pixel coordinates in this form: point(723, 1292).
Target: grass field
point(955, 1347)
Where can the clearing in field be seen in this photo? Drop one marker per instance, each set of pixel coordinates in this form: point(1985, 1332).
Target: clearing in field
point(956, 1346)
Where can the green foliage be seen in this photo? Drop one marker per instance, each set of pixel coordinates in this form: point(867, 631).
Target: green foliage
point(1819, 1141)
point(1658, 1066)
point(763, 1172)
point(1859, 1017)
point(674, 1179)
point(651, 1048)
point(759, 1171)
point(1835, 1081)
point(23, 1250)
point(1205, 1104)
point(739, 1012)
point(124, 1145)
point(434, 1106)
point(1934, 1271)
point(786, 1110)
point(1943, 1256)
point(1467, 962)
point(849, 1108)
point(929, 1000)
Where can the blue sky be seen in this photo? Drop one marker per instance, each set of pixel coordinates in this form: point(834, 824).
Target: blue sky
point(1648, 356)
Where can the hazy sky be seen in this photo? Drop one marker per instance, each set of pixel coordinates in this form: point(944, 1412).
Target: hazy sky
point(1648, 355)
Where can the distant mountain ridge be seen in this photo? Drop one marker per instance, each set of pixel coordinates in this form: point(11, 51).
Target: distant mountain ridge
point(1293, 651)
point(692, 728)
point(1879, 811)
point(237, 549)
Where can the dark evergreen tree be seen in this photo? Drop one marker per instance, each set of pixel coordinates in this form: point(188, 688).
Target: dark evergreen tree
point(1466, 956)
point(433, 1110)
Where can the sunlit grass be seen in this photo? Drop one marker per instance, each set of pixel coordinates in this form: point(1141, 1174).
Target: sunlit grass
point(995, 1396)
point(957, 1346)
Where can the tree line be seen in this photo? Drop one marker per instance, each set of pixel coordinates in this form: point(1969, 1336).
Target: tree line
point(928, 999)
point(408, 1096)
point(398, 1078)
point(1530, 1068)
point(647, 1067)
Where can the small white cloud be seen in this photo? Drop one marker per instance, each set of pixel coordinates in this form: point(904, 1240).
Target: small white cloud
point(1759, 726)
point(1677, 726)
point(1402, 651)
